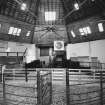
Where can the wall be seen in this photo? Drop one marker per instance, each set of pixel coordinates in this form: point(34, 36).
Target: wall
point(92, 22)
point(7, 22)
point(93, 49)
point(6, 46)
point(46, 37)
point(13, 47)
point(31, 54)
point(44, 58)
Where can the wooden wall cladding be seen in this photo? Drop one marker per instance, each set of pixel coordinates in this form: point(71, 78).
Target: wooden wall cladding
point(6, 23)
point(90, 22)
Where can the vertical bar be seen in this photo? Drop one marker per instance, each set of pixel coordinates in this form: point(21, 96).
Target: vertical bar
point(3, 68)
point(41, 90)
point(67, 88)
point(101, 88)
point(50, 86)
point(13, 70)
point(94, 74)
point(26, 78)
point(2, 74)
point(7, 53)
point(38, 88)
point(17, 59)
point(4, 94)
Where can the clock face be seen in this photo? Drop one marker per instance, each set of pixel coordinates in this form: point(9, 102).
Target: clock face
point(58, 45)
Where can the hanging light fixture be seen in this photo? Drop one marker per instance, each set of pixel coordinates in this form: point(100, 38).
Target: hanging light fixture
point(76, 6)
point(23, 6)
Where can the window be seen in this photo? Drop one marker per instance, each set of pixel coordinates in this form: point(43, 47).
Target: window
point(85, 30)
point(28, 33)
point(18, 32)
point(11, 30)
point(89, 30)
point(81, 31)
point(72, 33)
point(44, 51)
point(100, 27)
point(14, 31)
point(50, 16)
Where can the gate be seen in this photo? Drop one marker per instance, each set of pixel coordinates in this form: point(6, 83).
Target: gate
point(45, 88)
point(15, 90)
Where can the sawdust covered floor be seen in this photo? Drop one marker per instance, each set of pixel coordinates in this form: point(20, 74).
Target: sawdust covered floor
point(79, 95)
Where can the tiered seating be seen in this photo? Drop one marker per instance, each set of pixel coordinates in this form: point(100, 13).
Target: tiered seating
point(33, 64)
point(10, 60)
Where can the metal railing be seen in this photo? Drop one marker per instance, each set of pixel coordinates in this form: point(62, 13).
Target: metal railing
point(85, 87)
point(93, 65)
point(34, 86)
point(37, 90)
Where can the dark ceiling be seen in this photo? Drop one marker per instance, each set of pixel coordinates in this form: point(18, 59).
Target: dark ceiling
point(89, 8)
point(66, 14)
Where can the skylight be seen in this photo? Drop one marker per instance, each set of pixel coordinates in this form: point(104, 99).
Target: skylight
point(50, 16)
point(73, 34)
point(100, 27)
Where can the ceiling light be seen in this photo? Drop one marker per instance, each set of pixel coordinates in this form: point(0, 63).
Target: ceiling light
point(23, 6)
point(100, 27)
point(50, 16)
point(76, 6)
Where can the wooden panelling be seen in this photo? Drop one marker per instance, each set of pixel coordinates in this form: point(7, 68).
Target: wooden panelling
point(6, 23)
point(93, 24)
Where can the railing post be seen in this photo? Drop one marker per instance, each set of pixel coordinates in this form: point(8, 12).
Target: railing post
point(50, 86)
point(101, 87)
point(39, 85)
point(38, 88)
point(41, 90)
point(94, 74)
point(4, 94)
point(26, 76)
point(67, 88)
